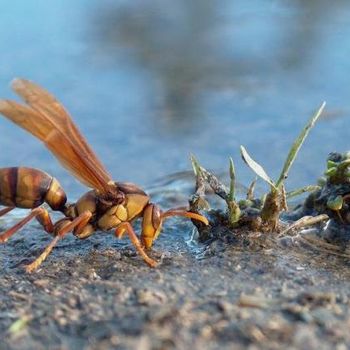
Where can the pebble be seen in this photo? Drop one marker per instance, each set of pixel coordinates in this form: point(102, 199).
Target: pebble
point(150, 297)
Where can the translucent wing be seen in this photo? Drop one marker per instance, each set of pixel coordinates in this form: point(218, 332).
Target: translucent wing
point(47, 119)
point(46, 104)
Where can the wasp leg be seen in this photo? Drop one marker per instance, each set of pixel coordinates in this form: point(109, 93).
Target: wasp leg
point(64, 227)
point(84, 232)
point(40, 213)
point(45, 221)
point(126, 227)
point(6, 210)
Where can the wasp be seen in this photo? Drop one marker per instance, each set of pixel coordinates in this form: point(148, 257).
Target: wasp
point(108, 205)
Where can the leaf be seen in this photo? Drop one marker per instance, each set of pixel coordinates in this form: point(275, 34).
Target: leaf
point(250, 192)
point(231, 195)
point(335, 203)
point(257, 168)
point(297, 145)
point(299, 191)
point(234, 212)
point(344, 164)
point(18, 325)
point(195, 165)
point(331, 171)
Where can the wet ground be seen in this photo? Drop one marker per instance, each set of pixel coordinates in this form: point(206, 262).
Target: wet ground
point(236, 292)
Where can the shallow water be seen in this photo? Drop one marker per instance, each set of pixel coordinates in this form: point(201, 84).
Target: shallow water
point(152, 81)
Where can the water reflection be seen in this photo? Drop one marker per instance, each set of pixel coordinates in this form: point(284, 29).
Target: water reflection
point(175, 40)
point(234, 69)
point(150, 81)
point(192, 47)
point(306, 29)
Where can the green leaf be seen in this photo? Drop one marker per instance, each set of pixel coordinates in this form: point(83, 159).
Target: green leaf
point(331, 164)
point(231, 195)
point(18, 325)
point(331, 171)
point(297, 145)
point(195, 165)
point(344, 164)
point(257, 168)
point(299, 191)
point(234, 212)
point(335, 203)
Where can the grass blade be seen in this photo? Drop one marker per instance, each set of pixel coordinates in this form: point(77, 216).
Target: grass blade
point(195, 165)
point(297, 145)
point(299, 191)
point(257, 168)
point(19, 325)
point(231, 195)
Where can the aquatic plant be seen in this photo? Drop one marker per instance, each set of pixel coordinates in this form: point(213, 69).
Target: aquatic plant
point(275, 200)
point(261, 214)
point(332, 197)
point(203, 176)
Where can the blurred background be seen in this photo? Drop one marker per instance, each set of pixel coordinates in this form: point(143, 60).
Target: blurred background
point(149, 82)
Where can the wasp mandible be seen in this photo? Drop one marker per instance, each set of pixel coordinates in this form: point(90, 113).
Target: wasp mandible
point(109, 205)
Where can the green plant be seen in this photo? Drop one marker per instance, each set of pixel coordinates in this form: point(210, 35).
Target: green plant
point(275, 200)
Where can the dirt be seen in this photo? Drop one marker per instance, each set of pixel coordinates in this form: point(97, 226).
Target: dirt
point(237, 292)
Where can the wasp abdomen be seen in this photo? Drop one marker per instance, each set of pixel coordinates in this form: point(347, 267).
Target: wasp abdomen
point(28, 188)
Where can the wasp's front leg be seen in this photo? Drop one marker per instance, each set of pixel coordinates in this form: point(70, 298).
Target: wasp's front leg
point(151, 225)
point(126, 227)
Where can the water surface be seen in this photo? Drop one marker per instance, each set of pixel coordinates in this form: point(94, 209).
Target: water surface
point(148, 82)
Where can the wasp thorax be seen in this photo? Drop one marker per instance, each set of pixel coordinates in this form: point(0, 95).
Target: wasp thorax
point(113, 217)
point(120, 212)
point(109, 200)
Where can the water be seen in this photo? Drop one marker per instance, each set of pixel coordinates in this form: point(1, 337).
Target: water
point(148, 82)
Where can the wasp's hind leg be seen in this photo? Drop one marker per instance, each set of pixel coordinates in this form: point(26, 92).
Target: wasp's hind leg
point(41, 214)
point(6, 210)
point(61, 228)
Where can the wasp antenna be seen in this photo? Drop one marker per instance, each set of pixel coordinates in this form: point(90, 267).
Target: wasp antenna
point(187, 214)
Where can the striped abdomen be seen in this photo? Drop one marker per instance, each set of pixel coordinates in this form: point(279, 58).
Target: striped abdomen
point(28, 188)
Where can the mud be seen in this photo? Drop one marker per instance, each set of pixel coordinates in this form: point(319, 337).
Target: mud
point(237, 292)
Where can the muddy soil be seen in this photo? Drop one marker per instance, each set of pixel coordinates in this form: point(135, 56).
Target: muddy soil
point(231, 294)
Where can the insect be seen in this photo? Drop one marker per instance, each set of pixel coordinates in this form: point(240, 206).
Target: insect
point(109, 205)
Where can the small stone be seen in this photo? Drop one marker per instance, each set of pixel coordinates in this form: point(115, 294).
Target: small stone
point(207, 331)
point(150, 297)
point(72, 302)
point(93, 275)
point(115, 341)
point(238, 268)
point(253, 301)
point(41, 283)
point(62, 321)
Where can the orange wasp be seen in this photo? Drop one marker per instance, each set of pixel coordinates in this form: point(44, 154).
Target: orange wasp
point(109, 205)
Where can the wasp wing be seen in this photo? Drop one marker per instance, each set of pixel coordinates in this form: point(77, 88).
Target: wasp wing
point(47, 119)
point(46, 104)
